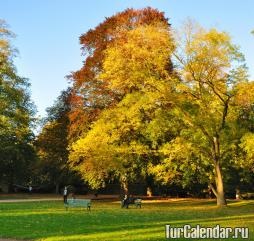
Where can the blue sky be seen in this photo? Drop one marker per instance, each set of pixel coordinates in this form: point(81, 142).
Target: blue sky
point(48, 33)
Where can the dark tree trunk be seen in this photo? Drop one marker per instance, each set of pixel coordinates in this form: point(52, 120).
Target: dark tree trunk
point(57, 188)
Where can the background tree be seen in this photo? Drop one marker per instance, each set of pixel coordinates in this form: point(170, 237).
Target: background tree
point(51, 145)
point(16, 116)
point(208, 71)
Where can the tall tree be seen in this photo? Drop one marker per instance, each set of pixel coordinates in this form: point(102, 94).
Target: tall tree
point(52, 145)
point(137, 67)
point(209, 69)
point(16, 116)
point(244, 99)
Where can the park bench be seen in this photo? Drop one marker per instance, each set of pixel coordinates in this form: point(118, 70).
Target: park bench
point(86, 203)
point(136, 202)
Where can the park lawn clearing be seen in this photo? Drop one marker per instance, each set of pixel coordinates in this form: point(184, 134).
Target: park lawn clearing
point(49, 221)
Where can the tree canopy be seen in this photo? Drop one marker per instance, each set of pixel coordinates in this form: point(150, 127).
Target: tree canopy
point(136, 65)
point(174, 110)
point(91, 94)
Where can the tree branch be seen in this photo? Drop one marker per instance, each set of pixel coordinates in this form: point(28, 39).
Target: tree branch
point(213, 189)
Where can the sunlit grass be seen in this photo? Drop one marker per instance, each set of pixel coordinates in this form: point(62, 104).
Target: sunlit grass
point(49, 221)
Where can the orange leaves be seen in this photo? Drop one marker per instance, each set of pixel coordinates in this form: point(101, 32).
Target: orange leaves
point(91, 94)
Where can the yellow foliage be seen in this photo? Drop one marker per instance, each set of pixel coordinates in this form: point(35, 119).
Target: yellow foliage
point(245, 94)
point(139, 61)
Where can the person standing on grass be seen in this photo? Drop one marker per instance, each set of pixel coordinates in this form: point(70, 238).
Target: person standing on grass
point(125, 201)
point(65, 194)
point(30, 189)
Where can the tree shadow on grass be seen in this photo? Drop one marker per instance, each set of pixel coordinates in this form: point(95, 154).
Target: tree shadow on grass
point(41, 222)
point(36, 226)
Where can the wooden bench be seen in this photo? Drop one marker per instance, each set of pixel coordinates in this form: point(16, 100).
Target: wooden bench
point(86, 203)
point(137, 202)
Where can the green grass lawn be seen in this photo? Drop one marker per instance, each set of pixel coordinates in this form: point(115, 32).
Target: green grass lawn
point(49, 221)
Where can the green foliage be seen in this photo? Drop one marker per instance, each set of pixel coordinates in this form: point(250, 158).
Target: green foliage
point(247, 144)
point(16, 116)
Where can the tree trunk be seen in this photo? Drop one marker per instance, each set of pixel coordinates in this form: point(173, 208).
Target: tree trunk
point(125, 185)
point(57, 188)
point(4, 187)
point(221, 201)
point(219, 192)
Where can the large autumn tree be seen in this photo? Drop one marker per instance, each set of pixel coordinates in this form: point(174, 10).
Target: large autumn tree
point(118, 84)
point(16, 116)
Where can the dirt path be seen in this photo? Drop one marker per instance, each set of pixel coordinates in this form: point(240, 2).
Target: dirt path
point(28, 200)
point(38, 198)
